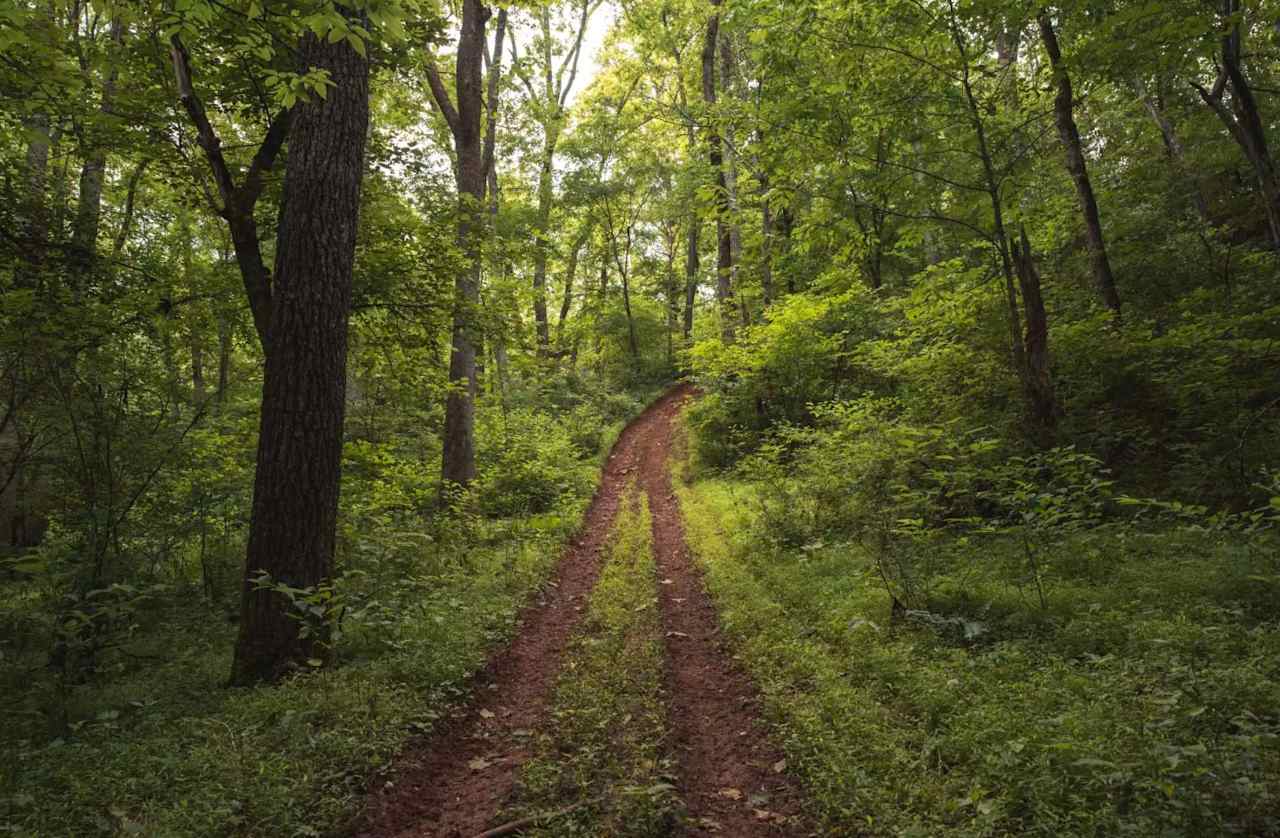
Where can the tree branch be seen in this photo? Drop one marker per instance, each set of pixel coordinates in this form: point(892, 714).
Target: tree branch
point(441, 94)
point(206, 135)
point(562, 94)
point(266, 156)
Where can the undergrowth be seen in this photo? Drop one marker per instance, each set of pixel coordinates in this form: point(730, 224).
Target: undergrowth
point(1141, 701)
point(423, 597)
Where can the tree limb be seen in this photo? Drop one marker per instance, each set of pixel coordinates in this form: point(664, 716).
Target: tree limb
point(205, 134)
point(441, 95)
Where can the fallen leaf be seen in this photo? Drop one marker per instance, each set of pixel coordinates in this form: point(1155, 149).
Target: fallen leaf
point(668, 582)
point(486, 714)
point(762, 814)
point(780, 766)
point(479, 764)
point(676, 634)
point(732, 794)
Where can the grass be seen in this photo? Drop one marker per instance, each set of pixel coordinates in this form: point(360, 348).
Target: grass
point(605, 743)
point(1142, 702)
point(156, 744)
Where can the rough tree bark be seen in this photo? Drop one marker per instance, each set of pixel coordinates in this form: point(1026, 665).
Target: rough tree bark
point(1069, 134)
point(295, 493)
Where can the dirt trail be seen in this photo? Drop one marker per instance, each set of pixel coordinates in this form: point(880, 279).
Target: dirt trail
point(437, 790)
point(732, 778)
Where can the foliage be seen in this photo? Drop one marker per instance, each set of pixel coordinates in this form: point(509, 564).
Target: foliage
point(1140, 702)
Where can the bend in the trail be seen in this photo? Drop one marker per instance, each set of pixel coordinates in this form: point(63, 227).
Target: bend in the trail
point(452, 784)
point(732, 778)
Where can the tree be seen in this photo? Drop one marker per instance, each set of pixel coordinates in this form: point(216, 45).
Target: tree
point(458, 463)
point(1242, 118)
point(295, 498)
point(300, 312)
point(1069, 134)
point(715, 157)
point(547, 99)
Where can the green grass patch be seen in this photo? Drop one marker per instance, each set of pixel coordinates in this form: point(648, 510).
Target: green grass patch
point(605, 742)
point(165, 748)
point(1142, 702)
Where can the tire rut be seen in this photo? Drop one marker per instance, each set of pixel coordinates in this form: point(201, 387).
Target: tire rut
point(732, 778)
point(437, 791)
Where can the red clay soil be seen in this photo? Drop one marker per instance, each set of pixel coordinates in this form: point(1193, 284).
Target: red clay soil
point(453, 784)
point(732, 779)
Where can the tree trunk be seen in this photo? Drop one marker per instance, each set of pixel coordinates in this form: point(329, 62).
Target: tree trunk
point(295, 497)
point(541, 246)
point(1243, 119)
point(691, 268)
point(1070, 137)
point(224, 359)
point(992, 183)
point(126, 223)
point(728, 73)
point(570, 277)
point(1039, 382)
point(84, 231)
point(1174, 150)
point(787, 226)
point(693, 229)
point(766, 241)
point(715, 155)
point(35, 226)
point(458, 464)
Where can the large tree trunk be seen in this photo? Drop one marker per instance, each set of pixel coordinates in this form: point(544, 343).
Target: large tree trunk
point(295, 498)
point(1070, 136)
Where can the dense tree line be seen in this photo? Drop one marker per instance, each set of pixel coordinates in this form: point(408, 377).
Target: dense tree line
point(279, 278)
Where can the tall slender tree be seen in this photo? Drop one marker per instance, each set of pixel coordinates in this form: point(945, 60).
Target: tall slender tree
point(715, 156)
point(458, 463)
point(1069, 134)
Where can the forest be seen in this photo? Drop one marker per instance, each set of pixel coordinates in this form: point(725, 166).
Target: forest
point(640, 418)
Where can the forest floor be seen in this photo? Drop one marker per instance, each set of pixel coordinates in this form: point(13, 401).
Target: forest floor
point(544, 743)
